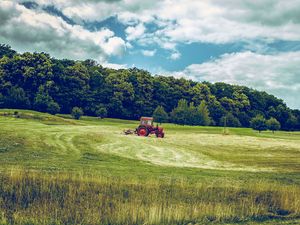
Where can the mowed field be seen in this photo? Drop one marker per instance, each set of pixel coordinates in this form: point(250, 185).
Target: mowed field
point(55, 170)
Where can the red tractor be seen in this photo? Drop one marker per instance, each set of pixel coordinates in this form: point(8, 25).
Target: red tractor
point(146, 127)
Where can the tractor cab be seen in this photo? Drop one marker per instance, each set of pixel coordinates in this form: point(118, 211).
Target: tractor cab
point(146, 127)
point(146, 121)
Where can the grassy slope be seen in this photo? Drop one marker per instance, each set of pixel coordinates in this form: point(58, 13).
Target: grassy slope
point(195, 155)
point(98, 146)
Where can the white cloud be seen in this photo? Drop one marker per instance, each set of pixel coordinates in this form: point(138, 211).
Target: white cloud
point(27, 29)
point(277, 74)
point(132, 18)
point(167, 45)
point(128, 45)
point(115, 46)
point(88, 11)
point(215, 21)
point(114, 66)
point(175, 55)
point(97, 10)
point(212, 21)
point(135, 32)
point(149, 53)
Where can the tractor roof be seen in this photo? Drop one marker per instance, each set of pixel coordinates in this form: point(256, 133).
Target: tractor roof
point(146, 118)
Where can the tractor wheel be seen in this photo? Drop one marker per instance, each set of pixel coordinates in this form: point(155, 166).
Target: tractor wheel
point(143, 131)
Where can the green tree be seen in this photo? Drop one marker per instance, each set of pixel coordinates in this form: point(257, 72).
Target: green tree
point(160, 115)
point(273, 124)
point(77, 113)
point(5, 50)
point(228, 103)
point(193, 115)
point(258, 123)
point(16, 98)
point(203, 118)
point(53, 108)
point(43, 102)
point(199, 92)
point(2, 99)
point(244, 119)
point(231, 120)
point(271, 111)
point(74, 86)
point(179, 114)
point(241, 100)
point(282, 115)
point(101, 112)
point(216, 110)
point(291, 122)
point(123, 93)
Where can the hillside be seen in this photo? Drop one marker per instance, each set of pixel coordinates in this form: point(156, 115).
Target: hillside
point(188, 146)
point(87, 172)
point(40, 82)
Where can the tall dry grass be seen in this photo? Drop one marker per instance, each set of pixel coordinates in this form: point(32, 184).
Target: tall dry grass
point(35, 198)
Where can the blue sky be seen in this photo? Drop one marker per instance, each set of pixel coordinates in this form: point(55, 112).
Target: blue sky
point(252, 43)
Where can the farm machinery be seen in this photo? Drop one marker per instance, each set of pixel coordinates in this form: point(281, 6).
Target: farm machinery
point(146, 127)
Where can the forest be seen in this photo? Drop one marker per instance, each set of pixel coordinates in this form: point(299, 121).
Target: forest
point(40, 82)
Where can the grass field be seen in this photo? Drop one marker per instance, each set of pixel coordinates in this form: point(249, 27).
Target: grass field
point(55, 170)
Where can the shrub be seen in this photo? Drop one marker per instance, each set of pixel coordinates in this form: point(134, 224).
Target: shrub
point(16, 114)
point(53, 108)
point(101, 112)
point(77, 113)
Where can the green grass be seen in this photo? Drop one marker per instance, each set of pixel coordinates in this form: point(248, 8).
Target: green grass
point(193, 175)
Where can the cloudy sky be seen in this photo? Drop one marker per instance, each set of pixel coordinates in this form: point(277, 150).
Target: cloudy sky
point(247, 42)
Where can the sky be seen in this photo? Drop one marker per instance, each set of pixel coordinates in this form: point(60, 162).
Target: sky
point(255, 43)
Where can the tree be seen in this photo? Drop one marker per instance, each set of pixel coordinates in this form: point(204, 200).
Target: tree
point(2, 99)
point(291, 122)
point(53, 108)
point(160, 115)
point(179, 114)
point(16, 98)
point(273, 124)
point(271, 111)
point(199, 92)
point(258, 123)
point(244, 119)
point(230, 120)
point(228, 103)
point(282, 115)
point(5, 50)
point(216, 110)
point(77, 113)
point(193, 115)
point(204, 118)
point(43, 102)
point(101, 112)
point(241, 100)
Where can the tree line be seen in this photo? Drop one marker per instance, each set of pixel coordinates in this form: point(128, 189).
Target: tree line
point(40, 82)
point(184, 114)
